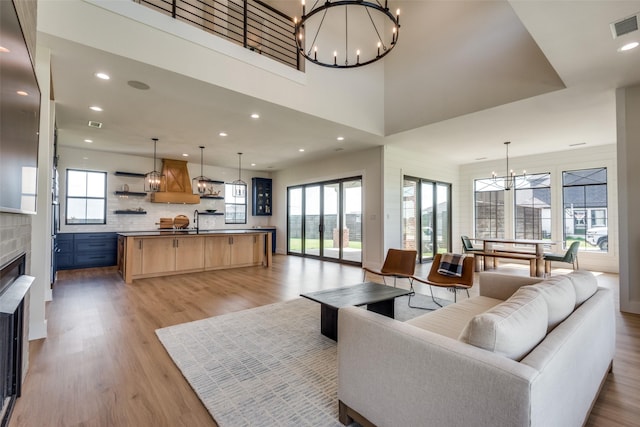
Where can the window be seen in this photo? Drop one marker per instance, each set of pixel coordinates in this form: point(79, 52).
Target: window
point(85, 197)
point(584, 199)
point(533, 207)
point(235, 207)
point(324, 220)
point(489, 209)
point(426, 216)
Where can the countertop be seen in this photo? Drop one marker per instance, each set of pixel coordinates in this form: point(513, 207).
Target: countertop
point(191, 231)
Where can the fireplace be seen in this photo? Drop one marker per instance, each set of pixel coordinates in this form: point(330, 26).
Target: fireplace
point(14, 286)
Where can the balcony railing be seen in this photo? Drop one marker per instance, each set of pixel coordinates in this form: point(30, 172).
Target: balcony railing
point(249, 23)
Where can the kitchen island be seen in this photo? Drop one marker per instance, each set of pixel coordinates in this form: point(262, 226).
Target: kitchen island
point(166, 252)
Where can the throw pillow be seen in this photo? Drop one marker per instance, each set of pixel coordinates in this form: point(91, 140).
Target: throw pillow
point(584, 283)
point(512, 328)
point(560, 297)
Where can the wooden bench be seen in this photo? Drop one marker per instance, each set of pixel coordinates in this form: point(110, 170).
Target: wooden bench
point(531, 257)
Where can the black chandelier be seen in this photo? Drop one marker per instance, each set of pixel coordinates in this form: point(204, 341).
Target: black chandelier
point(367, 35)
point(508, 181)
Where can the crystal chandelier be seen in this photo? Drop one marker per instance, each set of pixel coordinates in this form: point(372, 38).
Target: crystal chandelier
point(370, 32)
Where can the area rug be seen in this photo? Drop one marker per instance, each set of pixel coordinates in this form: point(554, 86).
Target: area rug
point(266, 366)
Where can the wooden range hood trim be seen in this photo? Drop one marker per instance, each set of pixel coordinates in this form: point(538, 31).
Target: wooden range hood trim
point(174, 197)
point(177, 184)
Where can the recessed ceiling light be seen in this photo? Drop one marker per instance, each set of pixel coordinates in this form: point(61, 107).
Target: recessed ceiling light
point(222, 134)
point(95, 108)
point(185, 155)
point(22, 93)
point(103, 76)
point(340, 138)
point(88, 141)
point(85, 158)
point(4, 49)
point(253, 164)
point(301, 150)
point(628, 46)
point(255, 116)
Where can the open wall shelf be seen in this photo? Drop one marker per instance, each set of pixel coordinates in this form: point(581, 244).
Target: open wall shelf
point(131, 174)
point(130, 193)
point(125, 212)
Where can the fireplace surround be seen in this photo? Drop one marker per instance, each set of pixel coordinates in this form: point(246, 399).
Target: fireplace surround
point(14, 289)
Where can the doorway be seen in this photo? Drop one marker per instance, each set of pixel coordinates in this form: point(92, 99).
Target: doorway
point(324, 220)
point(426, 217)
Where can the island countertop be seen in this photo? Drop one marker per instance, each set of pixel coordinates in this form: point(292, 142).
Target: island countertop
point(192, 231)
point(176, 251)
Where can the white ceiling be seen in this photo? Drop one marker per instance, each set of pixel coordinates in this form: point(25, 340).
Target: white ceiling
point(465, 77)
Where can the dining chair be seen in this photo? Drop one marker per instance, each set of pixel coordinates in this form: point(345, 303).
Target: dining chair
point(453, 283)
point(570, 257)
point(468, 248)
point(399, 263)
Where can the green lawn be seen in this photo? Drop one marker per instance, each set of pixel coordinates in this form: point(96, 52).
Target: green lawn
point(295, 245)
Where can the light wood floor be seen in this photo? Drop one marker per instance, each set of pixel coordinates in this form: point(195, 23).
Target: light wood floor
point(102, 364)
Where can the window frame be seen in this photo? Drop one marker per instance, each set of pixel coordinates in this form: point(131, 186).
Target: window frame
point(532, 182)
point(86, 197)
point(228, 194)
point(496, 215)
point(587, 210)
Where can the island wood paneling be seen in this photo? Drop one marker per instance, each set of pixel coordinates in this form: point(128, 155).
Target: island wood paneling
point(102, 364)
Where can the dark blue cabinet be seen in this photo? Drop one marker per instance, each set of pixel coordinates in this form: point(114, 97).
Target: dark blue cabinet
point(85, 250)
point(262, 197)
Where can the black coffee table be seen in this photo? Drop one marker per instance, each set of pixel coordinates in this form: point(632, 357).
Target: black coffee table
point(378, 298)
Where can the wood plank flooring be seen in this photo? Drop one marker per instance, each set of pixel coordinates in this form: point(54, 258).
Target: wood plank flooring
point(102, 365)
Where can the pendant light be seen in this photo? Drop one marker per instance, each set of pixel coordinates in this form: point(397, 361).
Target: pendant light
point(239, 186)
point(200, 183)
point(509, 180)
point(153, 180)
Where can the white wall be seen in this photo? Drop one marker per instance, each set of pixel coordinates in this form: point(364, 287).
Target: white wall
point(628, 111)
point(399, 162)
point(109, 162)
point(555, 163)
point(367, 163)
point(351, 97)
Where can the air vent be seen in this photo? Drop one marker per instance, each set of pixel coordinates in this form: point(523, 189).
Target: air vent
point(93, 124)
point(626, 26)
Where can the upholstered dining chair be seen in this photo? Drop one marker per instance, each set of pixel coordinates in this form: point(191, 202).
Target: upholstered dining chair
point(399, 263)
point(570, 257)
point(453, 283)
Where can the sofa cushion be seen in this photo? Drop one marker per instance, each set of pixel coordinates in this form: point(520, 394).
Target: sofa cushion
point(584, 283)
point(451, 319)
point(560, 297)
point(512, 328)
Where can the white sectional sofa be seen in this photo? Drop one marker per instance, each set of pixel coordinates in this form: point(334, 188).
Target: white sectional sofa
point(520, 354)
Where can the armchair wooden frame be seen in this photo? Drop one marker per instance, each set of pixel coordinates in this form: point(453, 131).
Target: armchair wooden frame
point(399, 263)
point(440, 280)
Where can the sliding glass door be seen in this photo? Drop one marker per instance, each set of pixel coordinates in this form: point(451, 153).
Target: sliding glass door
point(426, 217)
point(325, 220)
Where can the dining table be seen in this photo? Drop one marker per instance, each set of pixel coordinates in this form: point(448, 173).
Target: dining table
point(518, 246)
